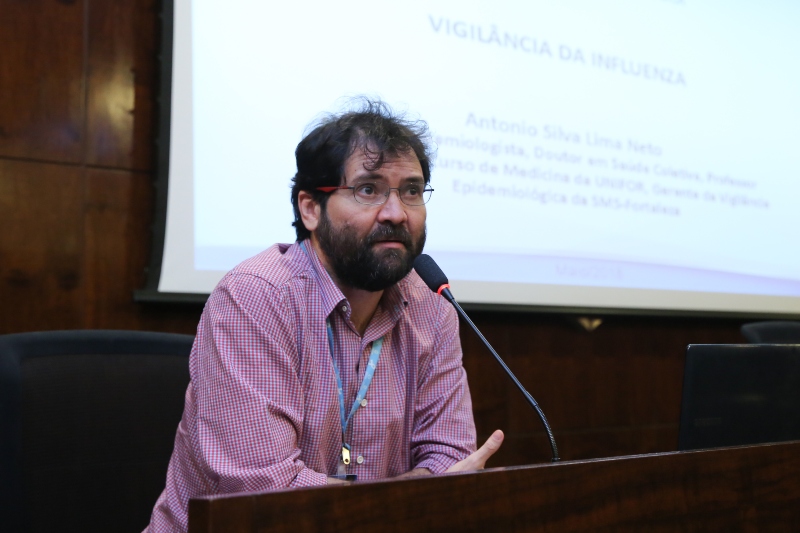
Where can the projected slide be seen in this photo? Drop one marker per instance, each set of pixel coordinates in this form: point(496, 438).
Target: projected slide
point(646, 144)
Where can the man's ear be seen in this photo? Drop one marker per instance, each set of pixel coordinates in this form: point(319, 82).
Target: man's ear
point(309, 210)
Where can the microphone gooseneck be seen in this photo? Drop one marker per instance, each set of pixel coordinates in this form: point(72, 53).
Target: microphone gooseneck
point(435, 279)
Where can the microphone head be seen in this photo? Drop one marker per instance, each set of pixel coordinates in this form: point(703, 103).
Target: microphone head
point(430, 272)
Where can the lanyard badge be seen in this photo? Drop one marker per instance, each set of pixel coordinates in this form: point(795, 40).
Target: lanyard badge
point(362, 390)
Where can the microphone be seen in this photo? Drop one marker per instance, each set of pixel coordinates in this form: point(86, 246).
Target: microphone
point(436, 281)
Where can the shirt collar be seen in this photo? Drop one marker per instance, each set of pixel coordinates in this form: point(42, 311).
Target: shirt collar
point(331, 294)
point(395, 299)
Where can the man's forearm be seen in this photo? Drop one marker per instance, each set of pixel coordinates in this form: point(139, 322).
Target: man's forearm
point(415, 473)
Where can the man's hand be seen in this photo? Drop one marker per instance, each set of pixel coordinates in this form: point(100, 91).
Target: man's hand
point(477, 460)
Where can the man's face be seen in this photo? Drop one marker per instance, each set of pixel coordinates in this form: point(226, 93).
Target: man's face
point(372, 247)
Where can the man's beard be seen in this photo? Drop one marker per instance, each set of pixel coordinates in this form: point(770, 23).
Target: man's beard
point(357, 264)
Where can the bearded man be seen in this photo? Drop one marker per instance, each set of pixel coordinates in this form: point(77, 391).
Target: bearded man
point(329, 359)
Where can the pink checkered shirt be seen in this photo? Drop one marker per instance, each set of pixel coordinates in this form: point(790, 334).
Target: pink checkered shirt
point(262, 411)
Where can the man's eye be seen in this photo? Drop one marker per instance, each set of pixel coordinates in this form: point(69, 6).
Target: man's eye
point(412, 190)
point(368, 189)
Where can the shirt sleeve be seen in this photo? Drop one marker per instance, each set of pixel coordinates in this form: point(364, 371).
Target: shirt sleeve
point(244, 407)
point(444, 428)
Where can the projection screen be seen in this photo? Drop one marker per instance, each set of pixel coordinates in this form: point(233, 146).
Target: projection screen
point(602, 155)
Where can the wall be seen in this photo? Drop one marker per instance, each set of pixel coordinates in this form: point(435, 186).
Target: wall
point(77, 118)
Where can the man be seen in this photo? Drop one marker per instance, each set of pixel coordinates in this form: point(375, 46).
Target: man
point(330, 358)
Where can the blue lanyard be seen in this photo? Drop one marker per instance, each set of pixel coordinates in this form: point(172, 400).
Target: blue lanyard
point(362, 391)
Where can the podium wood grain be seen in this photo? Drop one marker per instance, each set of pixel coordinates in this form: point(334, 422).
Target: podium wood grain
point(752, 488)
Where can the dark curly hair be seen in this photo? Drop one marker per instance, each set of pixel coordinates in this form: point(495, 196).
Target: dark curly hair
point(374, 128)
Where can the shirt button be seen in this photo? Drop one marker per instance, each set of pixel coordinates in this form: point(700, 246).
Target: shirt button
point(364, 402)
point(360, 459)
point(344, 309)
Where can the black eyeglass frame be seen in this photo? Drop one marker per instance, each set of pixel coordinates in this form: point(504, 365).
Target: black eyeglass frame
point(426, 189)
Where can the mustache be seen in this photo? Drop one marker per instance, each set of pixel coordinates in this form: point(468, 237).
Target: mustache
point(390, 232)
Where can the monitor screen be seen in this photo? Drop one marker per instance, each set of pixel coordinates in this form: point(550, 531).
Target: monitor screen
point(740, 394)
point(590, 154)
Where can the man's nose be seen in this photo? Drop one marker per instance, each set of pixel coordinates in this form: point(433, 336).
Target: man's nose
point(393, 210)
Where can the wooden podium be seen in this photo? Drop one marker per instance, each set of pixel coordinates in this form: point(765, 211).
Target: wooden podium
point(750, 488)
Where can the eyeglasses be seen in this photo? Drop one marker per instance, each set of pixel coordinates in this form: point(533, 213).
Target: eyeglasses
point(377, 193)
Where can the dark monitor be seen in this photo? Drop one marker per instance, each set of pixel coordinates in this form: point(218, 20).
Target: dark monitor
point(736, 394)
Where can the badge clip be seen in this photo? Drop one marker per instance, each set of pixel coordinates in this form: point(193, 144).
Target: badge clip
point(345, 455)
